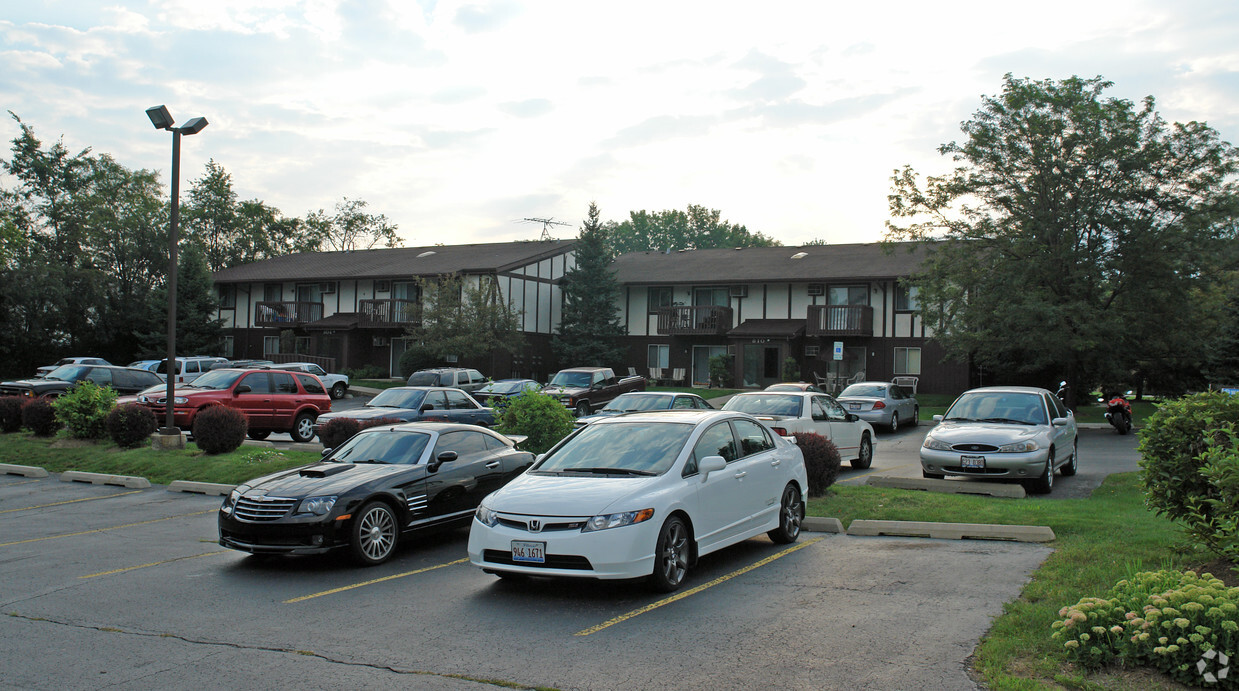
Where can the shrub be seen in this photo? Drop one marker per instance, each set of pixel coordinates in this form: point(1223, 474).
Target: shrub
point(333, 432)
point(1221, 470)
point(791, 370)
point(130, 425)
point(219, 429)
point(821, 460)
point(39, 417)
point(721, 371)
point(1167, 620)
point(366, 372)
point(541, 418)
point(83, 409)
point(1176, 444)
point(10, 413)
point(415, 358)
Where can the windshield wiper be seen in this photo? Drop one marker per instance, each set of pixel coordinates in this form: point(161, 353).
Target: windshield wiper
point(371, 460)
point(604, 471)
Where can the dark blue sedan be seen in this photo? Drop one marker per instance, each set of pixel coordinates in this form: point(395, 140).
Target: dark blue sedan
point(412, 403)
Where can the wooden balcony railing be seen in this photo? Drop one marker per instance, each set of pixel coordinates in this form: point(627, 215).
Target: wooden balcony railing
point(701, 320)
point(840, 320)
point(388, 313)
point(287, 314)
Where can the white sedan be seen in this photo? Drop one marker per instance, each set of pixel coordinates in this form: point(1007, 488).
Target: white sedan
point(643, 496)
point(790, 412)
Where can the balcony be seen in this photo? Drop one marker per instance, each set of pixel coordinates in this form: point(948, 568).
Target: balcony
point(840, 320)
point(700, 320)
point(378, 314)
point(287, 314)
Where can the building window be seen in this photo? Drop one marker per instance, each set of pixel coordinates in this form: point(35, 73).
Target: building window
point(228, 347)
point(907, 361)
point(906, 298)
point(659, 356)
point(227, 296)
point(811, 350)
point(270, 345)
point(272, 292)
point(848, 295)
point(660, 296)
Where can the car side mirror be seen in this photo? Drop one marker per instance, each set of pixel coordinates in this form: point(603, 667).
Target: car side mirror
point(326, 452)
point(710, 464)
point(1060, 421)
point(852, 417)
point(244, 388)
point(425, 407)
point(445, 457)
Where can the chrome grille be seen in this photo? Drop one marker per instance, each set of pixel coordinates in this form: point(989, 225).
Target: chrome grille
point(547, 526)
point(263, 508)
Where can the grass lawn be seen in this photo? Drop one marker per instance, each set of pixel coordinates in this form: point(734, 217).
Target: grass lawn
point(1100, 541)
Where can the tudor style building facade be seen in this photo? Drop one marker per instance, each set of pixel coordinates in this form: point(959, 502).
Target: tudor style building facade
point(839, 312)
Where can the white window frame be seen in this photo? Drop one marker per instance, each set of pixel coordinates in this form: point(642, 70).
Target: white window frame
point(658, 355)
point(908, 361)
point(270, 345)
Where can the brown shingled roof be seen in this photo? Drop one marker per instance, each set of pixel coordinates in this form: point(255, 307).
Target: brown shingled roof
point(396, 262)
point(757, 264)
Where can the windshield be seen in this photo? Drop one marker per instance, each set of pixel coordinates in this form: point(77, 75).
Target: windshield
point(68, 373)
point(864, 390)
point(572, 380)
point(505, 386)
point(216, 379)
point(386, 446)
point(998, 406)
point(424, 379)
point(632, 402)
point(766, 404)
point(634, 448)
point(398, 398)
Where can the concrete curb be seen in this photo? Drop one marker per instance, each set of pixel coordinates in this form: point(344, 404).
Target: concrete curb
point(992, 489)
point(952, 531)
point(23, 470)
point(817, 524)
point(209, 488)
point(104, 479)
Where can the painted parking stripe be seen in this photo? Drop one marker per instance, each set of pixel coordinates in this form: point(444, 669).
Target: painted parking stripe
point(155, 563)
point(693, 591)
point(70, 501)
point(333, 591)
point(104, 530)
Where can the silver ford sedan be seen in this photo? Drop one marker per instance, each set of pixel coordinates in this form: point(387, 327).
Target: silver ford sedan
point(1003, 433)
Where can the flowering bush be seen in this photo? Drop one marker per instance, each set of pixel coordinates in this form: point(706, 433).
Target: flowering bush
point(1167, 620)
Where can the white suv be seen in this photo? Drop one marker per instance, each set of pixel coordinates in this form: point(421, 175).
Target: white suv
point(337, 384)
point(188, 368)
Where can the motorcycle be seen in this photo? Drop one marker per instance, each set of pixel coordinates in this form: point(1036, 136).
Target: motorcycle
point(1118, 414)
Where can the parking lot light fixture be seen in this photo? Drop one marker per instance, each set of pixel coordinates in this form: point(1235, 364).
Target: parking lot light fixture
point(162, 120)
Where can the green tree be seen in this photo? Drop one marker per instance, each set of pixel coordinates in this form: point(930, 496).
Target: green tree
point(465, 317)
point(694, 229)
point(1073, 236)
point(350, 228)
point(198, 331)
point(589, 330)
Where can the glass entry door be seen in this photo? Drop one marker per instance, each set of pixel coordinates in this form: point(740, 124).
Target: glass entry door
point(701, 363)
point(761, 365)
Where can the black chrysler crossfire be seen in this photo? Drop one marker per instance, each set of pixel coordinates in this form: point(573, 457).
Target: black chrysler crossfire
point(381, 485)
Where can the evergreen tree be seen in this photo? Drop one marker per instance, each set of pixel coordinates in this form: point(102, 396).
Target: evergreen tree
point(198, 331)
point(590, 331)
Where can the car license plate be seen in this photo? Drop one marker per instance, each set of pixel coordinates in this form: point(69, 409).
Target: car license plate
point(530, 552)
point(853, 406)
point(972, 461)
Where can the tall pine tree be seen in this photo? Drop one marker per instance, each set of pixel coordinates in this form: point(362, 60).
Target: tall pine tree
point(590, 331)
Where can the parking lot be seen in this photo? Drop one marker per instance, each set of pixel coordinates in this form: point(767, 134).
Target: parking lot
point(108, 586)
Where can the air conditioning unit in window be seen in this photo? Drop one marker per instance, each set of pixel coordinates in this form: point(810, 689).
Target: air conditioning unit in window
point(816, 289)
point(382, 286)
point(739, 291)
point(811, 350)
point(327, 288)
point(379, 341)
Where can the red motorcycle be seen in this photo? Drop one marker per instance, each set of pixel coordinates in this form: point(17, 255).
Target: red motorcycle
point(1118, 414)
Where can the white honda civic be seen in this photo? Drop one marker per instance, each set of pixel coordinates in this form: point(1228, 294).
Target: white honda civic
point(643, 495)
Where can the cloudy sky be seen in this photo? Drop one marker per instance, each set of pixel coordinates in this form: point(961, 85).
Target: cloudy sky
point(458, 119)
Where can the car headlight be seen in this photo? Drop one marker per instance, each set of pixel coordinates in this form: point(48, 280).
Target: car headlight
point(233, 497)
point(1019, 447)
point(931, 443)
point(319, 506)
point(179, 400)
point(617, 520)
point(485, 516)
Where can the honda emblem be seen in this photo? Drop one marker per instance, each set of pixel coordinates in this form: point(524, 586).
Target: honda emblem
point(535, 526)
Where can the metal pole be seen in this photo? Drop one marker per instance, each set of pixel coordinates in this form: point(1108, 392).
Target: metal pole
point(170, 422)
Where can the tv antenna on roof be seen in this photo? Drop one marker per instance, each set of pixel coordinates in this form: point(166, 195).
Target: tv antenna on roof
point(546, 225)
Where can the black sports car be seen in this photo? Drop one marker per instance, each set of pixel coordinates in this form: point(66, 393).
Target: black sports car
point(382, 484)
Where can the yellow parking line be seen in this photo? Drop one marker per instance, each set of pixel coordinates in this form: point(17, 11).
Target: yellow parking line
point(377, 580)
point(23, 482)
point(69, 501)
point(102, 530)
point(693, 591)
point(154, 563)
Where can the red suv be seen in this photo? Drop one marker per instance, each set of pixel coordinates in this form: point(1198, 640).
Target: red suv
point(272, 400)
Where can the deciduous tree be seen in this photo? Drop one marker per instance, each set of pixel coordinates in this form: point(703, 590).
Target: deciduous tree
point(693, 229)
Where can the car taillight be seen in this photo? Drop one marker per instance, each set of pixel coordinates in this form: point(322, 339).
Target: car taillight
point(879, 405)
point(781, 431)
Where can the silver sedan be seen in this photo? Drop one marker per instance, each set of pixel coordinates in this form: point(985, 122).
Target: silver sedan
point(881, 403)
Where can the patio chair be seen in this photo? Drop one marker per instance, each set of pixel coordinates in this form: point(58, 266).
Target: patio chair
point(677, 376)
point(656, 375)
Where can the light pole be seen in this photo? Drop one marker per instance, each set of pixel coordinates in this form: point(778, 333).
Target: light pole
point(162, 120)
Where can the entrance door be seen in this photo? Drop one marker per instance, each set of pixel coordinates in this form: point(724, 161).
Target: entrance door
point(761, 365)
point(701, 363)
point(398, 346)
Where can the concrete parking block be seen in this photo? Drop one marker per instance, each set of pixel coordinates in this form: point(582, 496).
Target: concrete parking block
point(24, 470)
point(817, 524)
point(104, 479)
point(255, 442)
point(993, 489)
point(306, 446)
point(208, 488)
point(953, 531)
